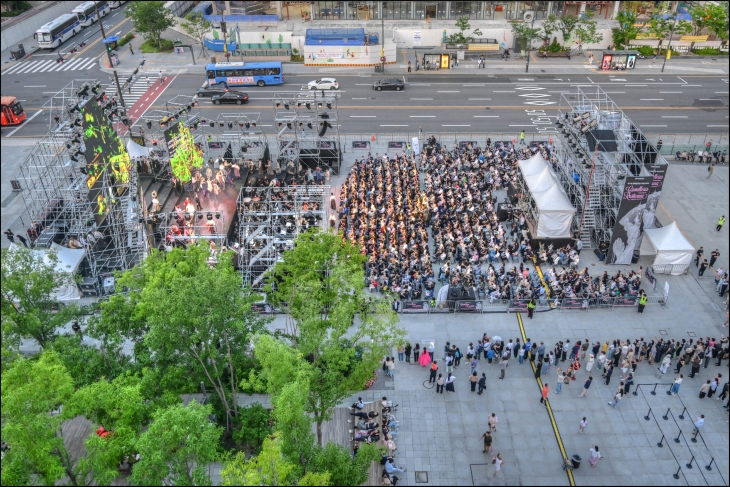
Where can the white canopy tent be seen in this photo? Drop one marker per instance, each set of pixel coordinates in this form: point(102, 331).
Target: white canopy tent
point(136, 150)
point(68, 262)
point(555, 212)
point(672, 249)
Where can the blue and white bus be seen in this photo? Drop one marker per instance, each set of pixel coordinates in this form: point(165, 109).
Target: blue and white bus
point(87, 11)
point(245, 74)
point(116, 5)
point(52, 34)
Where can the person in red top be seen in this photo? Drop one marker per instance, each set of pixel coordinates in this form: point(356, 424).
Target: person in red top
point(544, 396)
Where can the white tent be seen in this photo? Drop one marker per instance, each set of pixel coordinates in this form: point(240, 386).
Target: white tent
point(672, 249)
point(136, 150)
point(555, 212)
point(68, 261)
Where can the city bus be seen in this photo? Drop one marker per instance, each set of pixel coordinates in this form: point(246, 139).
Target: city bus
point(116, 5)
point(12, 112)
point(52, 34)
point(87, 11)
point(246, 74)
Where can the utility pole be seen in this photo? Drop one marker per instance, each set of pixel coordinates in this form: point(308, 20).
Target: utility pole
point(109, 57)
point(527, 66)
point(669, 46)
point(382, 42)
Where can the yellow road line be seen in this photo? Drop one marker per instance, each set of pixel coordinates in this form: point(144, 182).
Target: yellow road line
point(549, 409)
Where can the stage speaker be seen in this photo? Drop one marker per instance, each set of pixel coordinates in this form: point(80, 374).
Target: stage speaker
point(89, 286)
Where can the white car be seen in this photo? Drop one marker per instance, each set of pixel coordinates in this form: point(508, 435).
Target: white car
point(323, 84)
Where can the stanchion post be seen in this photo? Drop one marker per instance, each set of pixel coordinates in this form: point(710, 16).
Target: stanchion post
point(661, 442)
point(709, 466)
point(676, 440)
point(676, 475)
point(681, 416)
point(647, 415)
point(636, 391)
point(689, 465)
point(694, 438)
point(666, 416)
point(653, 391)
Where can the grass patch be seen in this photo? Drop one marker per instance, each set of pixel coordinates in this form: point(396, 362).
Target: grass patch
point(297, 59)
point(151, 46)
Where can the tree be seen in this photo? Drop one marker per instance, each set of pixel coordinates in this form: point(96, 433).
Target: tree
point(566, 25)
point(194, 317)
point(344, 469)
point(87, 363)
point(254, 426)
point(150, 19)
point(661, 28)
point(321, 284)
point(459, 38)
point(586, 33)
point(177, 447)
point(31, 391)
point(525, 34)
point(547, 28)
point(196, 27)
point(626, 30)
point(715, 19)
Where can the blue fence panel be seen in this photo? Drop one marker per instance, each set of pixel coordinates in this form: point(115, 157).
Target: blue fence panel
point(217, 46)
point(335, 37)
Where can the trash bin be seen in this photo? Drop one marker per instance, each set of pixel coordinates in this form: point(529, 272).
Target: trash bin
point(576, 461)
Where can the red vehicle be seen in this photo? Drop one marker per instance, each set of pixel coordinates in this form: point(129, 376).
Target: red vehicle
point(12, 111)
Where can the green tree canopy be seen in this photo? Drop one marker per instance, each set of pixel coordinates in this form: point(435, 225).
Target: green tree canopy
point(27, 296)
point(151, 19)
point(661, 28)
point(586, 33)
point(525, 34)
point(567, 25)
point(460, 38)
point(197, 27)
point(626, 30)
point(547, 28)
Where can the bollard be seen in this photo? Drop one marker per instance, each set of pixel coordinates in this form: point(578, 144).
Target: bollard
point(647, 415)
point(681, 416)
point(709, 466)
point(661, 442)
point(694, 438)
point(636, 391)
point(653, 391)
point(676, 475)
point(676, 440)
point(666, 416)
point(689, 465)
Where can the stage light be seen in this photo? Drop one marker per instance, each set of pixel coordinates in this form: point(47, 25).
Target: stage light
point(149, 124)
point(288, 125)
point(301, 124)
point(230, 125)
point(56, 118)
point(281, 124)
point(187, 216)
point(96, 87)
point(210, 216)
point(309, 125)
point(299, 104)
point(286, 105)
point(278, 104)
point(253, 124)
point(125, 121)
point(177, 115)
point(77, 122)
point(195, 126)
point(212, 124)
point(200, 216)
point(247, 125)
point(240, 124)
point(72, 107)
point(319, 104)
point(329, 105)
point(308, 105)
point(83, 170)
point(217, 215)
point(189, 107)
point(221, 124)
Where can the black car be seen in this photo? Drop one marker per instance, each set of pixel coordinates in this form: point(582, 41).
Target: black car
point(209, 89)
point(230, 97)
point(389, 84)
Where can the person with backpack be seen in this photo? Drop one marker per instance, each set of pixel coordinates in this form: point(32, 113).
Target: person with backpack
point(457, 357)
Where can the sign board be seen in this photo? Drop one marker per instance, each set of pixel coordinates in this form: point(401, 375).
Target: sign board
point(416, 147)
point(397, 145)
point(483, 47)
point(416, 37)
point(518, 304)
point(327, 55)
point(625, 301)
point(414, 307)
point(574, 303)
point(469, 306)
point(361, 145)
point(650, 276)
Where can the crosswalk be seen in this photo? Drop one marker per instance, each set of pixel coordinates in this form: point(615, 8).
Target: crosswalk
point(48, 65)
point(139, 88)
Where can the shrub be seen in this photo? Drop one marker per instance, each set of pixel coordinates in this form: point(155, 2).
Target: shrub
point(20, 8)
point(646, 50)
point(151, 46)
point(254, 427)
point(126, 39)
point(707, 51)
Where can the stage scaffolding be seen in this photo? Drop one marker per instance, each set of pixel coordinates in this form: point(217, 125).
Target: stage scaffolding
point(57, 198)
point(307, 125)
point(187, 227)
point(270, 219)
point(598, 147)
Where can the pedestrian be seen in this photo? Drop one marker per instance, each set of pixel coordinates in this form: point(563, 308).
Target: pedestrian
point(407, 352)
point(583, 424)
point(704, 388)
point(493, 420)
point(629, 381)
point(544, 395)
point(391, 366)
point(450, 383)
point(483, 383)
point(723, 394)
point(713, 256)
point(590, 59)
point(653, 58)
point(474, 362)
point(409, 66)
point(520, 355)
point(522, 142)
point(11, 236)
point(589, 364)
point(449, 363)
point(710, 170)
point(586, 386)
point(699, 422)
point(608, 373)
point(561, 380)
point(447, 347)
point(457, 358)
point(531, 303)
point(434, 369)
point(416, 352)
point(497, 461)
point(431, 348)
point(595, 456)
point(642, 303)
point(616, 400)
point(720, 223)
point(130, 49)
point(440, 384)
point(487, 437)
point(162, 79)
point(699, 255)
point(714, 383)
point(703, 268)
point(677, 383)
point(502, 367)
point(473, 379)
point(542, 368)
point(666, 362)
point(129, 88)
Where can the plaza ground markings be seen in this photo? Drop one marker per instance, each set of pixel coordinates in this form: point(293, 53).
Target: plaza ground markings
point(549, 409)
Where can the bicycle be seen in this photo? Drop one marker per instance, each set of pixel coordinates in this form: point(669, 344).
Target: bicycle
point(567, 466)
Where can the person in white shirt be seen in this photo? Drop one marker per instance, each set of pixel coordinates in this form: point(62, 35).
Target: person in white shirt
point(699, 422)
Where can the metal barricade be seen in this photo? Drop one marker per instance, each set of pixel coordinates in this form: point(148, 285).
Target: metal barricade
point(673, 269)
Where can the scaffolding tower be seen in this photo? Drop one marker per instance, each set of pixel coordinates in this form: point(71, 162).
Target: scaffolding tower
point(77, 195)
point(270, 219)
point(598, 147)
point(307, 125)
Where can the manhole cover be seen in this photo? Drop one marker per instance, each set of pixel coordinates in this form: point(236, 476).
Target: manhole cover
point(373, 97)
point(421, 477)
point(691, 334)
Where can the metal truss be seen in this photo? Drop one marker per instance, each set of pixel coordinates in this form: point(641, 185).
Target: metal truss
point(182, 228)
point(270, 219)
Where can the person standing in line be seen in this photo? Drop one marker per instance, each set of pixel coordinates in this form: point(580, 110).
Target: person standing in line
point(699, 422)
point(447, 347)
point(616, 400)
point(714, 383)
point(699, 255)
point(449, 363)
point(720, 223)
point(440, 384)
point(497, 461)
point(713, 256)
point(542, 368)
point(483, 383)
point(561, 380)
point(431, 348)
point(566, 349)
point(520, 355)
point(583, 424)
point(391, 366)
point(541, 351)
point(473, 379)
point(544, 395)
point(487, 437)
point(401, 352)
point(450, 383)
point(474, 362)
point(503, 366)
point(723, 394)
point(703, 268)
point(628, 382)
point(666, 362)
point(416, 352)
point(586, 386)
point(407, 352)
point(704, 388)
point(434, 369)
point(677, 383)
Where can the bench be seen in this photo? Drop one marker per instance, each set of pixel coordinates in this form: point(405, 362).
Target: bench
point(554, 54)
point(483, 47)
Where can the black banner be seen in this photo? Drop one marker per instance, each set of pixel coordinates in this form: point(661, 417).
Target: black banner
point(518, 304)
point(628, 229)
point(361, 145)
point(397, 145)
point(659, 172)
point(262, 308)
point(625, 301)
point(574, 303)
point(469, 306)
point(414, 306)
point(651, 277)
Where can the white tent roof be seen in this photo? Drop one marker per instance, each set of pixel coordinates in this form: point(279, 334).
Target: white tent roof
point(533, 165)
point(136, 150)
point(670, 246)
point(68, 261)
point(555, 210)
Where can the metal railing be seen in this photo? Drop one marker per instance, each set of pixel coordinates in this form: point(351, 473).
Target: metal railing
point(673, 269)
point(445, 139)
point(673, 143)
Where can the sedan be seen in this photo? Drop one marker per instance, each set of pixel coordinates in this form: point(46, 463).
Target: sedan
point(323, 84)
point(230, 97)
point(389, 84)
point(210, 89)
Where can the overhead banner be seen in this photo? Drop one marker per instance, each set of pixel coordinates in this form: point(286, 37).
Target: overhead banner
point(629, 221)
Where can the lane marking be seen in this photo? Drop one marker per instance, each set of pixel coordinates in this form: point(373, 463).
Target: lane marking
point(635, 85)
point(709, 99)
point(36, 86)
point(423, 116)
point(394, 125)
point(450, 91)
point(486, 116)
point(362, 116)
point(504, 91)
point(359, 98)
point(726, 125)
point(612, 92)
point(651, 99)
point(675, 116)
point(652, 125)
point(422, 99)
point(670, 92)
point(23, 124)
point(479, 99)
point(456, 125)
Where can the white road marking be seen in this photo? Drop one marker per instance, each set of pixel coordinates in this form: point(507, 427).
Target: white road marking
point(652, 125)
point(362, 116)
point(23, 124)
point(675, 116)
point(670, 92)
point(447, 92)
point(456, 125)
point(422, 99)
point(394, 125)
point(423, 116)
point(486, 116)
point(726, 125)
point(651, 99)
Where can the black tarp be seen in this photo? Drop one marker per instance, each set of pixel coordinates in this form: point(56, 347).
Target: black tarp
point(604, 139)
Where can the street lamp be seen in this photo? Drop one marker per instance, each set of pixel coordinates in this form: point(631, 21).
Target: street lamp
point(382, 42)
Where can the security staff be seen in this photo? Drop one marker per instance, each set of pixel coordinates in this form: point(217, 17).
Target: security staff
point(642, 302)
point(530, 308)
point(720, 223)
